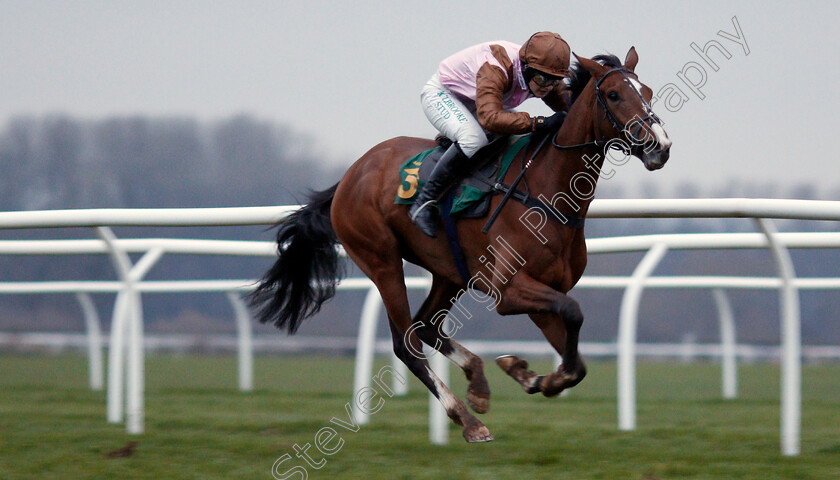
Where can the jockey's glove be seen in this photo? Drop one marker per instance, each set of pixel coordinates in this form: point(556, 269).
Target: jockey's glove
point(552, 123)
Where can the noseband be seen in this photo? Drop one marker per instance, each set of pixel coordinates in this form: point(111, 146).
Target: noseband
point(649, 118)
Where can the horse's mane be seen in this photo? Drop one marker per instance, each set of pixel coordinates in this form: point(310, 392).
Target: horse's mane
point(579, 77)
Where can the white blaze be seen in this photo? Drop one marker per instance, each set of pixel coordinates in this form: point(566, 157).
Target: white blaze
point(661, 137)
point(636, 84)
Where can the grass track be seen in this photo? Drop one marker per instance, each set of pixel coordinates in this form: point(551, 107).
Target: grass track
point(200, 427)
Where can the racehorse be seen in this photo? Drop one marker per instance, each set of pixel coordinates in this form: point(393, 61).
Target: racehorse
point(526, 262)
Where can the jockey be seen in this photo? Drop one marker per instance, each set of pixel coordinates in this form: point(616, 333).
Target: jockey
point(472, 94)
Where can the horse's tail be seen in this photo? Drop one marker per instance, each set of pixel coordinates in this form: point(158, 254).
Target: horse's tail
point(307, 270)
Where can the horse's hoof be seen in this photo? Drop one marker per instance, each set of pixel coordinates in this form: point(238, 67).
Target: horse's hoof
point(509, 362)
point(551, 390)
point(518, 370)
point(477, 434)
point(479, 404)
point(559, 381)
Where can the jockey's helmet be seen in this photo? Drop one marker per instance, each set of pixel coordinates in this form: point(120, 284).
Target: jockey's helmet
point(546, 52)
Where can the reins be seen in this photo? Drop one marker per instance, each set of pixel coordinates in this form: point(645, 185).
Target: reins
point(509, 191)
point(526, 199)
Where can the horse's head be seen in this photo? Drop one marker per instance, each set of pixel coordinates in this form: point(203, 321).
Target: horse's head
point(623, 110)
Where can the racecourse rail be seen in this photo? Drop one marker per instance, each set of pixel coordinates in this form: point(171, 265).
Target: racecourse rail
point(126, 339)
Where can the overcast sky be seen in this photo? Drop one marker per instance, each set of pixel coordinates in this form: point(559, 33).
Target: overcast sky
point(348, 74)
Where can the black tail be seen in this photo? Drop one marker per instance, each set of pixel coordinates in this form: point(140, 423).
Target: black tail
point(307, 270)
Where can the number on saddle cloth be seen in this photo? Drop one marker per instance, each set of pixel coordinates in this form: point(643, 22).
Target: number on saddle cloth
point(472, 196)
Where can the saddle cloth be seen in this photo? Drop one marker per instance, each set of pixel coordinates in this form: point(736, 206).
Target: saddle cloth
point(472, 196)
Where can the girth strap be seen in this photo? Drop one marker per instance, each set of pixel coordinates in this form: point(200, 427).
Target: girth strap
point(452, 238)
point(531, 202)
point(511, 191)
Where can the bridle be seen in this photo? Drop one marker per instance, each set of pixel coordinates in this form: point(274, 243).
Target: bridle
point(647, 121)
point(525, 198)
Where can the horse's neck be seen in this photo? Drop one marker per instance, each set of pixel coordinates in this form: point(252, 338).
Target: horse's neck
point(571, 175)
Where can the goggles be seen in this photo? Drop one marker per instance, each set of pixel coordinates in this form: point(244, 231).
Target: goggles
point(545, 81)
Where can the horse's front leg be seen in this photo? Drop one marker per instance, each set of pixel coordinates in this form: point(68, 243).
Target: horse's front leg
point(563, 332)
point(559, 318)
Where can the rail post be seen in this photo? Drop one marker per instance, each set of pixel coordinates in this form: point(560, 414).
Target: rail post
point(791, 403)
point(729, 362)
point(128, 316)
point(365, 350)
point(627, 322)
point(94, 337)
point(245, 348)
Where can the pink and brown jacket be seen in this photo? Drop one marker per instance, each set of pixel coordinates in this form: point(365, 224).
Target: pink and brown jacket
point(488, 78)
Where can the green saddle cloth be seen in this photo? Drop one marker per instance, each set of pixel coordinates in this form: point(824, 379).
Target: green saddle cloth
point(469, 193)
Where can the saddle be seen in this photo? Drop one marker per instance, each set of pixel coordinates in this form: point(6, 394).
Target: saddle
point(471, 198)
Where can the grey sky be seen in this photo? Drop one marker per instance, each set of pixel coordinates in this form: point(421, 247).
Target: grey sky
point(348, 74)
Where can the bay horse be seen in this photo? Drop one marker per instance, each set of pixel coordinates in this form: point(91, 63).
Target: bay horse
point(524, 270)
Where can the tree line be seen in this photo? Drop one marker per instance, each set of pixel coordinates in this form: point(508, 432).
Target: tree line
point(131, 162)
point(63, 162)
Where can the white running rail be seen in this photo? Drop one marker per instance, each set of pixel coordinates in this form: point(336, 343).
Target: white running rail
point(127, 320)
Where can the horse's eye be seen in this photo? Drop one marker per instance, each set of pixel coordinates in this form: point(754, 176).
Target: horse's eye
point(612, 96)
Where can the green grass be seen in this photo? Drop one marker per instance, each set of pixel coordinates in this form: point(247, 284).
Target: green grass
point(199, 426)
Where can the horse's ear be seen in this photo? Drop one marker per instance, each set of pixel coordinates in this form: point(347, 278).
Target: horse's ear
point(631, 59)
point(594, 68)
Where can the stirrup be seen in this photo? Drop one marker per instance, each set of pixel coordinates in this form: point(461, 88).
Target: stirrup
point(416, 211)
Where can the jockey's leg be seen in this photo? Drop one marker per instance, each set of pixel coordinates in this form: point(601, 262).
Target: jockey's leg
point(453, 119)
point(445, 174)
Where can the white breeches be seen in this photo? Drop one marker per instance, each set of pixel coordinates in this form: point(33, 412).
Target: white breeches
point(451, 117)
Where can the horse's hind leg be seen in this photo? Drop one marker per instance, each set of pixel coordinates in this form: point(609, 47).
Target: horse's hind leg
point(386, 272)
point(429, 321)
point(408, 349)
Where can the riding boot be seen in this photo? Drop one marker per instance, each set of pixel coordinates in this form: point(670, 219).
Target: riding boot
point(448, 170)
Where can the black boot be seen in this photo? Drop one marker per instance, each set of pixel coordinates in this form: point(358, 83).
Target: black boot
point(448, 170)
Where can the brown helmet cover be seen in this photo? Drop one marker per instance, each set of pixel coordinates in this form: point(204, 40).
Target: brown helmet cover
point(546, 52)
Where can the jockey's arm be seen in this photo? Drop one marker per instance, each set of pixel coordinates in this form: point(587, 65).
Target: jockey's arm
point(491, 83)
